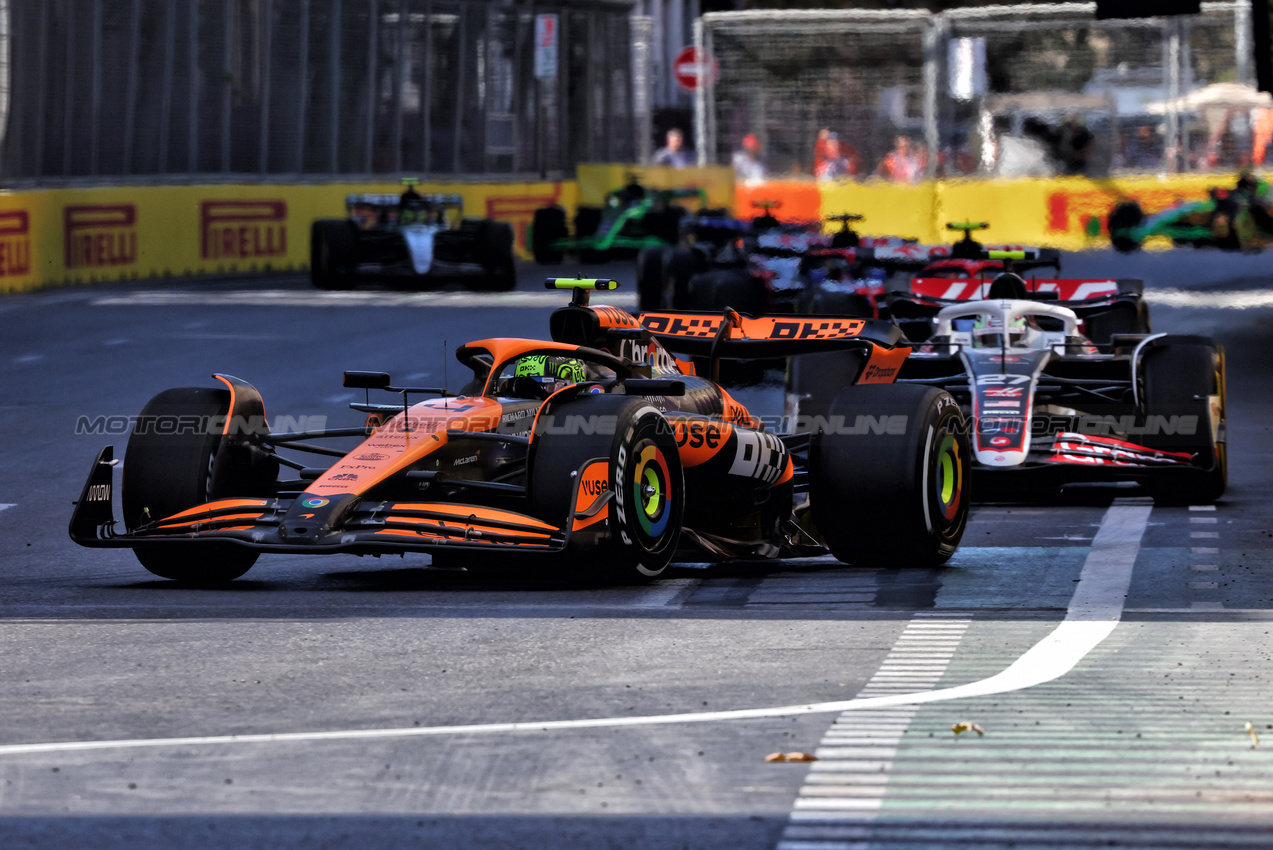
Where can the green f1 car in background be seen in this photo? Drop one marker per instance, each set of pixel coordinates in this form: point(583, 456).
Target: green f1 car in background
point(1238, 219)
point(633, 218)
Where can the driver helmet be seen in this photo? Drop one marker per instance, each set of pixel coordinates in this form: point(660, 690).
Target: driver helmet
point(550, 372)
point(987, 332)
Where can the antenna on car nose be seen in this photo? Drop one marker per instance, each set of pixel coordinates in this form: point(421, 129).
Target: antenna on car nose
point(446, 385)
point(582, 287)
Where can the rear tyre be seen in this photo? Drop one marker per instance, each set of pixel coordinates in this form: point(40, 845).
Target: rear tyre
point(548, 226)
point(652, 264)
point(645, 475)
point(495, 242)
point(1182, 383)
point(587, 220)
point(168, 470)
point(1124, 218)
point(333, 253)
point(715, 290)
point(898, 498)
point(681, 266)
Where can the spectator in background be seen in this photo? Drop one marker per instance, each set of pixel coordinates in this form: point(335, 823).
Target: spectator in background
point(1262, 136)
point(1141, 151)
point(901, 163)
point(1075, 145)
point(747, 162)
point(834, 164)
point(673, 152)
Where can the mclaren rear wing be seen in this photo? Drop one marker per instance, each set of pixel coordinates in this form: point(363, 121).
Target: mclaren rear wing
point(734, 336)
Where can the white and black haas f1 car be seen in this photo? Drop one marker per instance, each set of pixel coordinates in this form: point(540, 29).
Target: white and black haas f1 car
point(598, 450)
point(1049, 406)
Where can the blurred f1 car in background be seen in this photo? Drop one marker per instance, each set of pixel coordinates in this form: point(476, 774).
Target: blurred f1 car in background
point(766, 266)
point(419, 240)
point(750, 265)
point(1104, 306)
point(598, 451)
point(632, 218)
point(1238, 219)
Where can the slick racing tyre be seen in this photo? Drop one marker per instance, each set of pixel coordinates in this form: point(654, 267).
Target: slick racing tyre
point(645, 512)
point(333, 253)
point(587, 221)
point(495, 246)
point(548, 225)
point(1182, 392)
point(1122, 219)
point(170, 469)
point(652, 280)
point(681, 266)
point(720, 288)
point(663, 278)
point(895, 494)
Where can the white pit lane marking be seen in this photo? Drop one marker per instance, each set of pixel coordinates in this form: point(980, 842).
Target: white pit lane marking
point(1093, 613)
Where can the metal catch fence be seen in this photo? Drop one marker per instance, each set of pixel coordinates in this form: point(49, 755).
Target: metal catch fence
point(1027, 90)
point(198, 89)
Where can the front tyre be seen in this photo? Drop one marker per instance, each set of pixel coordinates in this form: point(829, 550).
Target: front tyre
point(333, 253)
point(1122, 223)
point(1182, 393)
point(547, 227)
point(168, 468)
point(495, 243)
point(890, 476)
point(645, 511)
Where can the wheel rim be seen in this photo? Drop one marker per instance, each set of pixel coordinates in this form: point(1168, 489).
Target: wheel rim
point(948, 477)
point(650, 490)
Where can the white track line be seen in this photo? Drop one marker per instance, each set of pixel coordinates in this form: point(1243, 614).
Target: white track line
point(5, 507)
point(363, 298)
point(1093, 613)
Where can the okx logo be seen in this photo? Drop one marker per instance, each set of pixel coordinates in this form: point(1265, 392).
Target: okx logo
point(99, 235)
point(15, 243)
point(242, 230)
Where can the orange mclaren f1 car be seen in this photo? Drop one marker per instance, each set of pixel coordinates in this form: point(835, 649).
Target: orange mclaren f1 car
point(599, 450)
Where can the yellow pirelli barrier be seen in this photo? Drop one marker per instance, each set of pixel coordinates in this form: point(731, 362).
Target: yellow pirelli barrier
point(598, 179)
point(1063, 212)
point(56, 236)
point(889, 209)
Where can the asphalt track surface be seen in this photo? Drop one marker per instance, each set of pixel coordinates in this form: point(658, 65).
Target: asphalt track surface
point(1111, 652)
